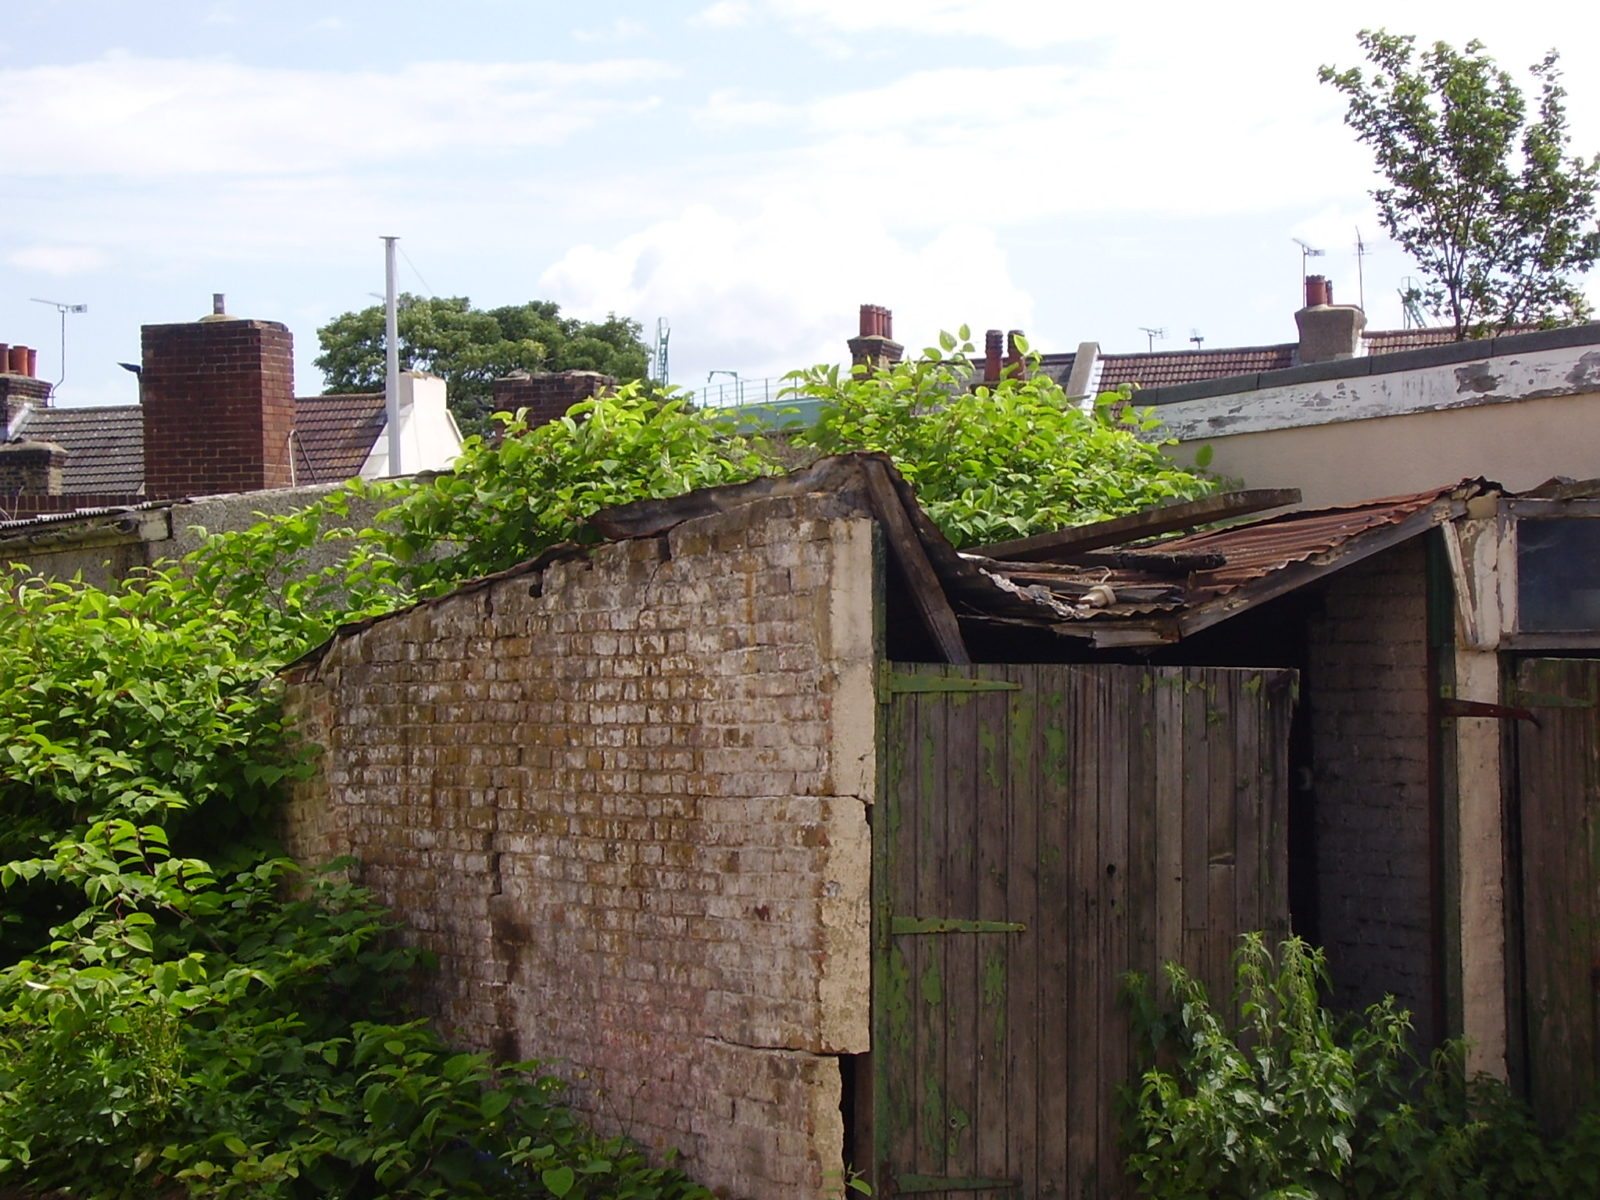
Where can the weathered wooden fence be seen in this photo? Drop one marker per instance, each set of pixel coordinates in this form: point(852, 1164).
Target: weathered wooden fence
point(1558, 787)
point(1040, 831)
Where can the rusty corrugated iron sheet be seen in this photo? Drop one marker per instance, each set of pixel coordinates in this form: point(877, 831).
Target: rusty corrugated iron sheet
point(1254, 554)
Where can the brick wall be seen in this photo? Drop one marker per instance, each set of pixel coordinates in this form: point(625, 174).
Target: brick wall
point(218, 401)
point(31, 468)
point(547, 394)
point(18, 392)
point(1367, 690)
point(625, 803)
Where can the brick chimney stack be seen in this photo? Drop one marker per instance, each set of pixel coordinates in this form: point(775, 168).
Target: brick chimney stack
point(218, 397)
point(1328, 331)
point(18, 387)
point(548, 394)
point(31, 468)
point(874, 348)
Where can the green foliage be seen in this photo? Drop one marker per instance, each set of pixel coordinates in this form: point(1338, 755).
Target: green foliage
point(507, 500)
point(181, 1012)
point(999, 461)
point(1290, 1102)
point(1480, 193)
point(471, 347)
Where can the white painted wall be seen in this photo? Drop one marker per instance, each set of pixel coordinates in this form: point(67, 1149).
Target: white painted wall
point(1515, 419)
point(429, 439)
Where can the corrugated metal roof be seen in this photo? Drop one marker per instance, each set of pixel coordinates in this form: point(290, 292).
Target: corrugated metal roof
point(1256, 554)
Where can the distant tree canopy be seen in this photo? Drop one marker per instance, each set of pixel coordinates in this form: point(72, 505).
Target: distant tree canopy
point(1480, 191)
point(469, 348)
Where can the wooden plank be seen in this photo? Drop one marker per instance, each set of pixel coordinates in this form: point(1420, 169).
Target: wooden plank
point(1250, 905)
point(1084, 980)
point(1163, 518)
point(962, 995)
point(1116, 744)
point(895, 1137)
point(991, 1117)
point(1060, 930)
point(1559, 790)
point(1170, 766)
point(1023, 1013)
point(930, 985)
point(906, 548)
point(1196, 825)
point(1222, 915)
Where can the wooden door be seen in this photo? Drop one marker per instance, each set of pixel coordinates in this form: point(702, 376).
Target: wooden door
point(1558, 791)
point(1040, 831)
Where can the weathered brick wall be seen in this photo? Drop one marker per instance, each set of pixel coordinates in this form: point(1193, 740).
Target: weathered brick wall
point(1367, 691)
point(628, 812)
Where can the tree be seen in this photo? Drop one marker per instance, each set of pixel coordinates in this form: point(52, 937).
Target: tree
point(470, 348)
point(1480, 192)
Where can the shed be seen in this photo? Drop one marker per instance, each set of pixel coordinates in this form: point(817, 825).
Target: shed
point(795, 838)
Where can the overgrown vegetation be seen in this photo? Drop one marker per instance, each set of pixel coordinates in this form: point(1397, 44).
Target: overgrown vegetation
point(1291, 1102)
point(1000, 461)
point(182, 1012)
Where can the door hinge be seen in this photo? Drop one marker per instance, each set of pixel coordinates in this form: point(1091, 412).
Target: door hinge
point(897, 683)
point(899, 925)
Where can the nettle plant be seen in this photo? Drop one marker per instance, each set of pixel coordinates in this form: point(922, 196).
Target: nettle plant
point(999, 460)
point(1279, 1098)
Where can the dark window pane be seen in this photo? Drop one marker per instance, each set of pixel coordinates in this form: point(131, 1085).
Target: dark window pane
point(1558, 575)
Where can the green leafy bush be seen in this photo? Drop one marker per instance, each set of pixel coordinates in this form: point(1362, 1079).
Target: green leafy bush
point(1291, 1102)
point(997, 461)
point(181, 1012)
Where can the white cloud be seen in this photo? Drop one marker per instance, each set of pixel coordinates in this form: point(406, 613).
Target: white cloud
point(724, 14)
point(58, 260)
point(618, 30)
point(778, 288)
point(731, 108)
point(329, 25)
point(144, 117)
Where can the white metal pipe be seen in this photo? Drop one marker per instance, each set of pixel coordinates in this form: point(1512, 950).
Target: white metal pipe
point(391, 366)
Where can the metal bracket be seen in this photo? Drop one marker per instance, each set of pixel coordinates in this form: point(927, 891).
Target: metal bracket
point(900, 925)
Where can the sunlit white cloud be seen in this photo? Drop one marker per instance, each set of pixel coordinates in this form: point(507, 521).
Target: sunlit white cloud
point(58, 260)
point(724, 14)
point(620, 29)
point(142, 117)
point(775, 289)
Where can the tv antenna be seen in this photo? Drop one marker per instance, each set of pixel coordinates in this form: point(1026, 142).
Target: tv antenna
point(1361, 280)
point(63, 309)
point(1307, 250)
point(658, 353)
point(1196, 338)
point(1411, 304)
point(1152, 335)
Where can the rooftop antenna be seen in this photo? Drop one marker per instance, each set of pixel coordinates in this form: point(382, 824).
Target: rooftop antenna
point(659, 354)
point(63, 309)
point(1361, 281)
point(1410, 304)
point(1307, 250)
point(1196, 338)
point(1152, 335)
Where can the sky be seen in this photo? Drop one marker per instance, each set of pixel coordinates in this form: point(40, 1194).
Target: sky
point(750, 171)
